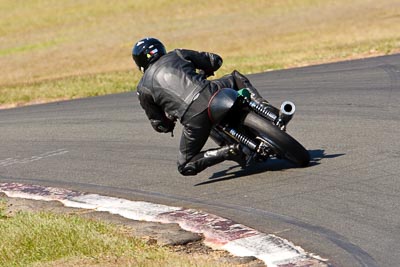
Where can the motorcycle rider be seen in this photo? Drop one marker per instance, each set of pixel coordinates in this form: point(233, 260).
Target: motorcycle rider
point(174, 87)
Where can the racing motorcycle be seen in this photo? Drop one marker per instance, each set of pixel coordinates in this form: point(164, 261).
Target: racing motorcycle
point(259, 130)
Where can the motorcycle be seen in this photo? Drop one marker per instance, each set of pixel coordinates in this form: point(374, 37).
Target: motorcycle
point(260, 132)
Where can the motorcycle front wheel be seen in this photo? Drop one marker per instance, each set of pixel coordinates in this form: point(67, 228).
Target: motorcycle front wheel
point(282, 143)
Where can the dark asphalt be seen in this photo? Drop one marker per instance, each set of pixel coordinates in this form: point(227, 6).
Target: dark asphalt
point(344, 207)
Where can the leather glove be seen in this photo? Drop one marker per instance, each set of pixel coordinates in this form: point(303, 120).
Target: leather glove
point(164, 126)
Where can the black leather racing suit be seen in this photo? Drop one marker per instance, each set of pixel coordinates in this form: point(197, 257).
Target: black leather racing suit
point(172, 89)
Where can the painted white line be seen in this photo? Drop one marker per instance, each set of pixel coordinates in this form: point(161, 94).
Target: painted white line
point(218, 232)
point(13, 161)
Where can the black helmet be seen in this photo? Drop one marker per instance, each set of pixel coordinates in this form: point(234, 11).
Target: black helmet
point(147, 51)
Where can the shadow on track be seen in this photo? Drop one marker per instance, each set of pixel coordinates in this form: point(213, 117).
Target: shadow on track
point(318, 154)
point(272, 165)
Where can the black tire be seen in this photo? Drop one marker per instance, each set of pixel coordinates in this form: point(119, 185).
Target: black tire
point(284, 145)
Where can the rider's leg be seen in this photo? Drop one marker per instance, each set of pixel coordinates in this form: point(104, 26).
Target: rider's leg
point(212, 157)
point(194, 136)
point(217, 137)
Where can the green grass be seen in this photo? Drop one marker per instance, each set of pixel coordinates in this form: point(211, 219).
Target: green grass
point(44, 237)
point(68, 88)
point(48, 239)
point(53, 50)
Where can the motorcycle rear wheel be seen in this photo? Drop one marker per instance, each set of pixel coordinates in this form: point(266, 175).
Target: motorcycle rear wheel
point(282, 143)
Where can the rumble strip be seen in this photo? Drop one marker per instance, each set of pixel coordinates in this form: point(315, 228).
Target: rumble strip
point(218, 232)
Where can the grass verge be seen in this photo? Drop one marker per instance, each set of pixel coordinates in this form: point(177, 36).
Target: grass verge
point(52, 50)
point(68, 88)
point(48, 239)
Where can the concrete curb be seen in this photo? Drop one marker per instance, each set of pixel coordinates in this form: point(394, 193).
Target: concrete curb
point(218, 232)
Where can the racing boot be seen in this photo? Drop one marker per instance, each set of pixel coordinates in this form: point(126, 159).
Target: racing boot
point(212, 157)
point(237, 155)
point(231, 152)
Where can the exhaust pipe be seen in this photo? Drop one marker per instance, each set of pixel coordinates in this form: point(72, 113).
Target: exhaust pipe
point(286, 114)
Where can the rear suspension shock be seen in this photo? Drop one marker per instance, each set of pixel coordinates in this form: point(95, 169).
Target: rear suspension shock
point(241, 138)
point(263, 110)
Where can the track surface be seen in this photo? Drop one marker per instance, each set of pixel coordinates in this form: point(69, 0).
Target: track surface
point(344, 207)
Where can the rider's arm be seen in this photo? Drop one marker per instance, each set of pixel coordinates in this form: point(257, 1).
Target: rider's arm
point(156, 115)
point(206, 61)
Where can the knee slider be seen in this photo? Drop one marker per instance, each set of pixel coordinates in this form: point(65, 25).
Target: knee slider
point(187, 169)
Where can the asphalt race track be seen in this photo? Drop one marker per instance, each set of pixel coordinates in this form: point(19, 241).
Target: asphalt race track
point(344, 206)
